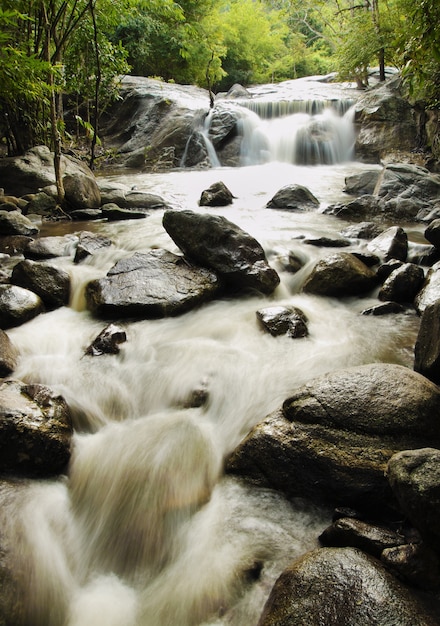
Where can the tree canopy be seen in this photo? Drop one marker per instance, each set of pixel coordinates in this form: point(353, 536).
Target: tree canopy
point(78, 48)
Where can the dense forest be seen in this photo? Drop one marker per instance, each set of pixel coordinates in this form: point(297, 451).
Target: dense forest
point(54, 52)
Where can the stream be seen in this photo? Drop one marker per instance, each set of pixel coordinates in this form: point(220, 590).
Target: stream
point(145, 529)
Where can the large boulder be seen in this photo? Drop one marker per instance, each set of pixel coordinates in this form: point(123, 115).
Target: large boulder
point(294, 197)
point(214, 242)
point(338, 275)
point(403, 284)
point(35, 170)
point(35, 429)
point(48, 281)
point(334, 437)
point(427, 347)
point(414, 476)
point(385, 123)
point(341, 587)
point(149, 285)
point(15, 223)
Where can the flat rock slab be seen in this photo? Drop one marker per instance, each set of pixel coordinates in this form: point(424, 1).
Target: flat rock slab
point(151, 285)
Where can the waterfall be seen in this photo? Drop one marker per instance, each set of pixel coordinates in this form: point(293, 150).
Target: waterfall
point(309, 132)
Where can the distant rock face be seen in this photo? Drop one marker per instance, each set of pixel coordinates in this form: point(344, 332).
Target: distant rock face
point(154, 284)
point(216, 243)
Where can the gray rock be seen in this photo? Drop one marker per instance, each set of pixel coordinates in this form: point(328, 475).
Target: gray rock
point(216, 243)
point(384, 309)
point(216, 195)
point(427, 347)
point(14, 223)
point(8, 355)
point(294, 197)
point(18, 305)
point(365, 208)
point(430, 291)
point(89, 244)
point(403, 284)
point(414, 476)
point(363, 183)
point(41, 204)
point(281, 320)
point(50, 247)
point(363, 230)
point(432, 233)
point(127, 198)
point(155, 284)
point(408, 181)
point(327, 242)
point(35, 430)
point(341, 587)
point(49, 282)
point(339, 275)
point(112, 212)
point(391, 244)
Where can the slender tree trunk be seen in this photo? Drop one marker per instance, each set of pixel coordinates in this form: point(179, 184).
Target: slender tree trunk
point(97, 86)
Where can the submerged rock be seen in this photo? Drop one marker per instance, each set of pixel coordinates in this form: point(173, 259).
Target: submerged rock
point(154, 284)
point(214, 242)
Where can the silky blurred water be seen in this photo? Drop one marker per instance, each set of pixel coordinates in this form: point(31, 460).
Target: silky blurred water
point(145, 529)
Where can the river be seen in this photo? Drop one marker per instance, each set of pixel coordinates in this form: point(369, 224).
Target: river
point(145, 529)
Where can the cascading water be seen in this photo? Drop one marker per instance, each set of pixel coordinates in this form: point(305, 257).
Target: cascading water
point(304, 133)
point(145, 529)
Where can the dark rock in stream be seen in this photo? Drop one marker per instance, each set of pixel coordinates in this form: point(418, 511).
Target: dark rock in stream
point(50, 247)
point(35, 429)
point(216, 195)
point(89, 244)
point(14, 223)
point(216, 243)
point(333, 439)
point(427, 347)
point(342, 587)
point(281, 320)
point(403, 284)
point(50, 283)
point(154, 284)
point(107, 342)
point(430, 291)
point(294, 197)
point(390, 244)
point(339, 275)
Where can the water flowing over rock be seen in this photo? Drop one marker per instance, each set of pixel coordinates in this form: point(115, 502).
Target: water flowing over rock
point(35, 429)
point(216, 243)
point(341, 587)
point(154, 284)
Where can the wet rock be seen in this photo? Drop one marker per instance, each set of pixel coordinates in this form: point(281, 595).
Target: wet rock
point(293, 262)
point(384, 309)
point(15, 223)
point(386, 269)
point(14, 244)
point(341, 587)
point(223, 125)
point(128, 198)
point(415, 564)
point(41, 203)
point(403, 284)
point(363, 230)
point(364, 208)
point(8, 355)
point(18, 305)
point(216, 243)
point(89, 244)
point(35, 430)
point(430, 291)
point(391, 244)
point(363, 183)
point(427, 347)
point(50, 247)
point(280, 320)
point(339, 275)
point(294, 197)
point(414, 476)
point(407, 181)
point(423, 254)
point(371, 538)
point(327, 242)
point(112, 213)
point(34, 170)
point(86, 215)
point(377, 399)
point(108, 340)
point(155, 284)
point(216, 195)
point(432, 233)
point(50, 283)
